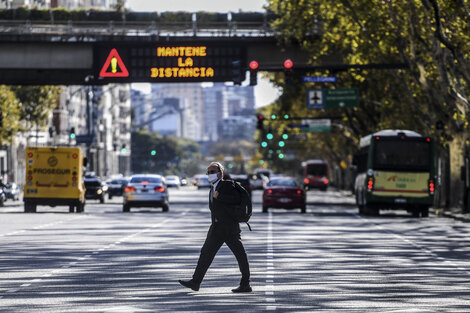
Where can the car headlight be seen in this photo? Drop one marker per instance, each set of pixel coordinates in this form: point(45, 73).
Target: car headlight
point(99, 191)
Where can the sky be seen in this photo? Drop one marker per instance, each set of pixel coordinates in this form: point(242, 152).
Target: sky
point(265, 93)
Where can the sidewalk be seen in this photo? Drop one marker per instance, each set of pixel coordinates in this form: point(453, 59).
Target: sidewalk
point(455, 213)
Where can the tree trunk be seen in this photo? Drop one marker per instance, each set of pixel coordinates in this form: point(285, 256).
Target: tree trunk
point(456, 147)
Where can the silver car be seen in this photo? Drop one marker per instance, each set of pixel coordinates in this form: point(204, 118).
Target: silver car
point(146, 190)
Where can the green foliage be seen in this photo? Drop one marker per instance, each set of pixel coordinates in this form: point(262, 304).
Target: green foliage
point(36, 102)
point(173, 155)
point(435, 87)
point(9, 106)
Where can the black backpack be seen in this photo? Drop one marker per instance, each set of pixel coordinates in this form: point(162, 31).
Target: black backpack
point(242, 212)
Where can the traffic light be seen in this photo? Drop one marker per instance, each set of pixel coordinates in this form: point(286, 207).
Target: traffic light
point(264, 144)
point(253, 73)
point(72, 133)
point(270, 136)
point(260, 122)
point(237, 72)
point(273, 116)
point(281, 143)
point(153, 152)
point(286, 116)
point(288, 64)
point(123, 148)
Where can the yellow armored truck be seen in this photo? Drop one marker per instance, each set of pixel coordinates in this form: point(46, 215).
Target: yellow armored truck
point(54, 176)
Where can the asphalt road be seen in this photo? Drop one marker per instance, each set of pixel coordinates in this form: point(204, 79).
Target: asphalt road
point(328, 260)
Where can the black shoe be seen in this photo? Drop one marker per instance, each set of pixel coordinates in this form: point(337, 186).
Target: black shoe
point(190, 284)
point(245, 288)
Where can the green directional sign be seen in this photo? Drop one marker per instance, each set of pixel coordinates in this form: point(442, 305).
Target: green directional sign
point(317, 126)
point(332, 98)
point(341, 98)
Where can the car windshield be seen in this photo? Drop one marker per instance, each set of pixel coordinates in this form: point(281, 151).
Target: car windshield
point(140, 179)
point(283, 182)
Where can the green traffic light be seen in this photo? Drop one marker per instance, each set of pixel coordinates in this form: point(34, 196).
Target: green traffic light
point(281, 156)
point(285, 136)
point(123, 150)
point(273, 116)
point(153, 152)
point(264, 144)
point(72, 136)
point(261, 162)
point(269, 136)
point(286, 116)
point(281, 144)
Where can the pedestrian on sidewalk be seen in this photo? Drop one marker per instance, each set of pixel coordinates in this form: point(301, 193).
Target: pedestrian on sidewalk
point(224, 229)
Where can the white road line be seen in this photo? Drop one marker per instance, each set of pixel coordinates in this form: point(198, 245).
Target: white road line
point(269, 293)
point(414, 244)
point(89, 255)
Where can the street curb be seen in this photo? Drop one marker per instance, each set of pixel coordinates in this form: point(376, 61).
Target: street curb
point(456, 216)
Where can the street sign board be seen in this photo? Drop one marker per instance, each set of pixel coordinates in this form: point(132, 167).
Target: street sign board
point(332, 98)
point(317, 126)
point(154, 62)
point(319, 79)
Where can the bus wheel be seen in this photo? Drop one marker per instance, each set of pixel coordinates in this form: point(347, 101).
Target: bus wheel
point(265, 209)
point(416, 212)
point(71, 208)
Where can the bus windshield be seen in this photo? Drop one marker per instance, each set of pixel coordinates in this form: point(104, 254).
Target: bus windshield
point(404, 155)
point(316, 169)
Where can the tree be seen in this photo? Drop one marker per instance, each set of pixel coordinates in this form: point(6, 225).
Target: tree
point(10, 114)
point(430, 36)
point(36, 103)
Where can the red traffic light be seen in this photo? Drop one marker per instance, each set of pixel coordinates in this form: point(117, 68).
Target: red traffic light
point(254, 65)
point(260, 117)
point(288, 64)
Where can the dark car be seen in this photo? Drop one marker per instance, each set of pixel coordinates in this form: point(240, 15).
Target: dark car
point(12, 191)
point(95, 189)
point(284, 192)
point(116, 187)
point(244, 180)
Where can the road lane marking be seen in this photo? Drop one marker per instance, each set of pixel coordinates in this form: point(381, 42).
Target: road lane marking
point(414, 244)
point(269, 293)
point(88, 256)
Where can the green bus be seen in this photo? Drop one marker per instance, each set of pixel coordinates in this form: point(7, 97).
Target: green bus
point(395, 170)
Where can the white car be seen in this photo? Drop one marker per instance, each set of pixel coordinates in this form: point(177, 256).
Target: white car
point(146, 190)
point(172, 181)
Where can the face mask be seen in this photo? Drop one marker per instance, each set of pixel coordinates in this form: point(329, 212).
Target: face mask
point(212, 178)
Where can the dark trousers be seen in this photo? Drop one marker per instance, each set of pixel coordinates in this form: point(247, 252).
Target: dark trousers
point(216, 237)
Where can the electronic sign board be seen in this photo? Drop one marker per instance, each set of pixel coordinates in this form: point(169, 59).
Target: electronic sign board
point(166, 62)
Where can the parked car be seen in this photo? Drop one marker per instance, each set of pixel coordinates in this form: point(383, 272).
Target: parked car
point(284, 193)
point(146, 190)
point(244, 181)
point(203, 182)
point(95, 188)
point(116, 187)
point(172, 181)
point(12, 192)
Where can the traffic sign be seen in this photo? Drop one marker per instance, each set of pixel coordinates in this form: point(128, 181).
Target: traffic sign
point(319, 79)
point(318, 126)
point(114, 67)
point(158, 62)
point(315, 99)
point(332, 98)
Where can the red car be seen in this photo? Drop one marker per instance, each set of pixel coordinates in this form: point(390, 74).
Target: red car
point(285, 193)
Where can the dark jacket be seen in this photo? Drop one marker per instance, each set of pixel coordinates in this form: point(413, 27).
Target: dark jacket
point(223, 205)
